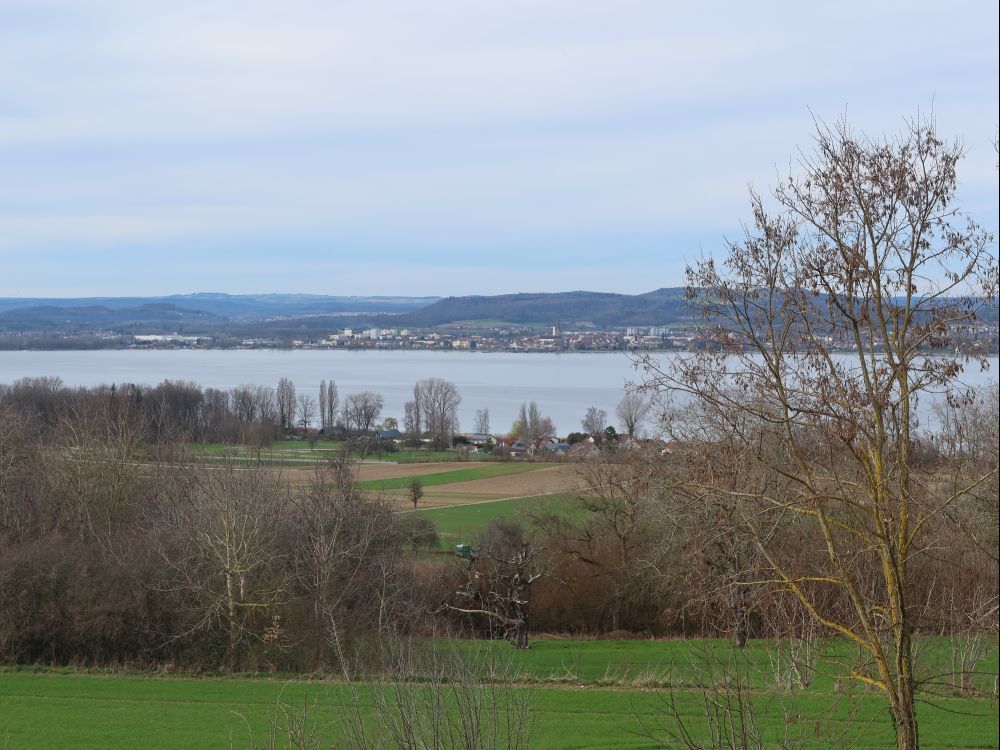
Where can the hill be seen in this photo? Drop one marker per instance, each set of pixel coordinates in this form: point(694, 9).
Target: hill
point(603, 309)
point(232, 306)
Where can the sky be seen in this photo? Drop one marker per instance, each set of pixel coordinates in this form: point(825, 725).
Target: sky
point(442, 147)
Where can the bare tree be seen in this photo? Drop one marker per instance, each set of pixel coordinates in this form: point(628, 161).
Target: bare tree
point(482, 423)
point(220, 546)
point(631, 412)
point(438, 401)
point(346, 560)
point(594, 421)
point(286, 403)
point(362, 410)
point(824, 325)
point(531, 425)
point(323, 426)
point(332, 402)
point(498, 587)
point(243, 404)
point(411, 419)
point(306, 408)
point(416, 491)
point(614, 535)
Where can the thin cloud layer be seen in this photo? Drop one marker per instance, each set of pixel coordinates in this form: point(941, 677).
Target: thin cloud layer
point(439, 147)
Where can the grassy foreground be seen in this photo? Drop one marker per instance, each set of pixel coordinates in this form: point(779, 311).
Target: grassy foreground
point(573, 706)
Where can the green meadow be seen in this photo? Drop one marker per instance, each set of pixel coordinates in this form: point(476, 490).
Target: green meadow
point(485, 471)
point(460, 522)
point(580, 693)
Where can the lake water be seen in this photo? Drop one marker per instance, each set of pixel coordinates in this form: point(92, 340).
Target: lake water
point(564, 385)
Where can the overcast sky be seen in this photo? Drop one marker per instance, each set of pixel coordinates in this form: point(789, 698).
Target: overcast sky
point(439, 147)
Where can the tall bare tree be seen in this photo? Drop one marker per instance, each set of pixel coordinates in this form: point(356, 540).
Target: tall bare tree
point(286, 403)
point(221, 552)
point(332, 402)
point(826, 324)
point(306, 409)
point(482, 423)
point(531, 424)
point(632, 411)
point(322, 407)
point(362, 410)
point(438, 401)
point(594, 421)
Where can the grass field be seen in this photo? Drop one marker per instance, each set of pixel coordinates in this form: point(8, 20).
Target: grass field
point(567, 683)
point(459, 523)
point(469, 474)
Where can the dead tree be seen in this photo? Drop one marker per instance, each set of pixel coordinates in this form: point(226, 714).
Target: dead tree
point(498, 587)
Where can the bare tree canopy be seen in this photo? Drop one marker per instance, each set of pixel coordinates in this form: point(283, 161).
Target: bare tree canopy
point(437, 402)
point(306, 406)
point(362, 410)
point(594, 421)
point(322, 406)
point(531, 425)
point(482, 424)
point(632, 411)
point(286, 403)
point(827, 323)
point(332, 403)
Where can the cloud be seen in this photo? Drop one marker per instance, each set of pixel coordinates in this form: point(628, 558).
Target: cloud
point(395, 127)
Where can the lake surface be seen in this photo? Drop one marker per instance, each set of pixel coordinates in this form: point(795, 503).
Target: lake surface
point(564, 385)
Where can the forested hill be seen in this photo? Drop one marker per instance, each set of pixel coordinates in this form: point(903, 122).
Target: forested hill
point(659, 307)
point(295, 315)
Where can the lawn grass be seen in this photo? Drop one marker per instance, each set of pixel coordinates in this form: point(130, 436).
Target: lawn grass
point(460, 522)
point(468, 474)
point(59, 708)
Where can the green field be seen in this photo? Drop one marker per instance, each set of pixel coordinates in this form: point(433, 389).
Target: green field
point(486, 471)
point(582, 694)
point(460, 522)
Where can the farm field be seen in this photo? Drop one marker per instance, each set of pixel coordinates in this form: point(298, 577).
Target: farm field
point(299, 453)
point(486, 483)
point(582, 694)
point(452, 475)
point(458, 523)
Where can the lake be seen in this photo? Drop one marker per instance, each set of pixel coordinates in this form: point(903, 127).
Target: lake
point(564, 385)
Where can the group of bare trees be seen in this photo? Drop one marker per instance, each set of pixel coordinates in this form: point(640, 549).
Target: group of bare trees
point(632, 411)
point(113, 551)
point(531, 424)
point(433, 412)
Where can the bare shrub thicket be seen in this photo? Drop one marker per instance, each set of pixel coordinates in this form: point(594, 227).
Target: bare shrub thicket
point(113, 550)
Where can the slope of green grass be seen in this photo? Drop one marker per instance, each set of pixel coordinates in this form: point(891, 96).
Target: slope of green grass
point(62, 709)
point(460, 522)
point(483, 471)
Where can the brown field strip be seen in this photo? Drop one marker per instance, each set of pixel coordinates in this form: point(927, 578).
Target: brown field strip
point(379, 471)
point(540, 482)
